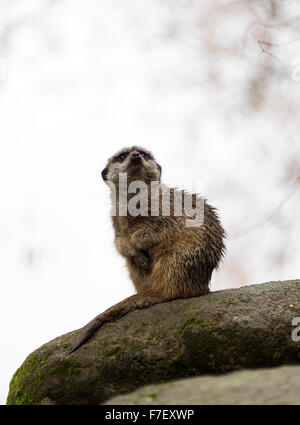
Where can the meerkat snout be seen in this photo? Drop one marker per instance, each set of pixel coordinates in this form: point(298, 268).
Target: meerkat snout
point(135, 157)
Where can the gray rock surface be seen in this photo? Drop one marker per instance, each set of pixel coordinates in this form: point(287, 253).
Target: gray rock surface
point(261, 386)
point(223, 331)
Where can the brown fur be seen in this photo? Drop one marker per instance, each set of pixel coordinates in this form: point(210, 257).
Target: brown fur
point(166, 260)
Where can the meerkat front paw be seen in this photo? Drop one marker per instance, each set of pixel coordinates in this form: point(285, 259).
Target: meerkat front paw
point(140, 240)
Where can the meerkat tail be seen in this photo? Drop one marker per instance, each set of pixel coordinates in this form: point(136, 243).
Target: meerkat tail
point(115, 312)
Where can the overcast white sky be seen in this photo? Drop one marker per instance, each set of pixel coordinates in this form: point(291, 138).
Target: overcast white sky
point(84, 79)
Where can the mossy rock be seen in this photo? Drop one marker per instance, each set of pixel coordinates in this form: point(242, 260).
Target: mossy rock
point(223, 331)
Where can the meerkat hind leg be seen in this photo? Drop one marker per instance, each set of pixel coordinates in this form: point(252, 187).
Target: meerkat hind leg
point(148, 300)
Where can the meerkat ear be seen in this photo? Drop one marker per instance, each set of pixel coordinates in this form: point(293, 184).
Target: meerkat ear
point(104, 173)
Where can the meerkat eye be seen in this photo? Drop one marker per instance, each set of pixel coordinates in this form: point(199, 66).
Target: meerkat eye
point(122, 157)
point(144, 155)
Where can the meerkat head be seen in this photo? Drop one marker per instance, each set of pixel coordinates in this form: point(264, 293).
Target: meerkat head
point(138, 163)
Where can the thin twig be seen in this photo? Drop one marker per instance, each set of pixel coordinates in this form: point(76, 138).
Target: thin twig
point(262, 43)
point(284, 24)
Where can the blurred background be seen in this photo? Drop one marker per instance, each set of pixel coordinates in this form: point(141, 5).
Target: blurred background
point(212, 88)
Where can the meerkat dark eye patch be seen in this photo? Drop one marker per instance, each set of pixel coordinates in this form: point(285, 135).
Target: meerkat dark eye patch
point(104, 173)
point(159, 167)
point(121, 157)
point(144, 155)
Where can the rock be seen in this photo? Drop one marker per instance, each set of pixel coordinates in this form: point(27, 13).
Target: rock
point(223, 331)
point(261, 386)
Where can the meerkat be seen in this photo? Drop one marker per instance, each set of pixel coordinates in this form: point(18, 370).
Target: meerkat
point(166, 259)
